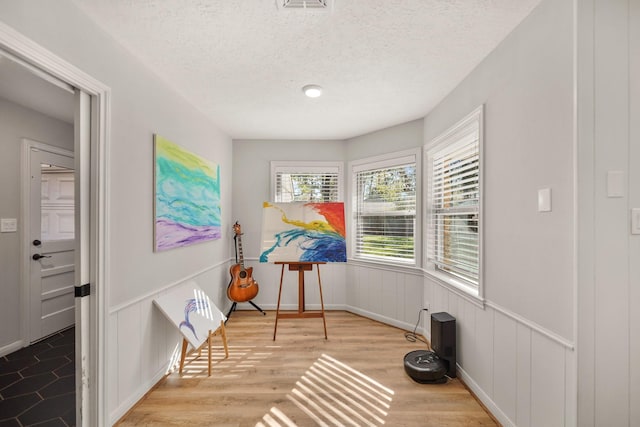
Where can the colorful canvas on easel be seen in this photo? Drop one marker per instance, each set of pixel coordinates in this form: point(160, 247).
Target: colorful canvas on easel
point(303, 232)
point(187, 199)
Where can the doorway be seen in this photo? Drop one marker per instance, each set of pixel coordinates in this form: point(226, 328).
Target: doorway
point(90, 125)
point(50, 214)
point(41, 372)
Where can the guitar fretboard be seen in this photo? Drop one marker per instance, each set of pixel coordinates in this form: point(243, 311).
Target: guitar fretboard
point(241, 261)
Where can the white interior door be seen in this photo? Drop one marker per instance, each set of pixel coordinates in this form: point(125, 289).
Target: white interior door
point(52, 242)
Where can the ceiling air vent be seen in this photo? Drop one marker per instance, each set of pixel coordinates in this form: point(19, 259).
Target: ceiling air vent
point(305, 4)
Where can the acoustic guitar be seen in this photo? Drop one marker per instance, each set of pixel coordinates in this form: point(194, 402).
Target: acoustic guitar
point(242, 287)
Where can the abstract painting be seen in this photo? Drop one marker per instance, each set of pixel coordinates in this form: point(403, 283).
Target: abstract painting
point(303, 232)
point(191, 311)
point(187, 199)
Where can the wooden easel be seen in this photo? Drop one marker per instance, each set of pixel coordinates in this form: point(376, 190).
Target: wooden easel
point(300, 267)
point(185, 345)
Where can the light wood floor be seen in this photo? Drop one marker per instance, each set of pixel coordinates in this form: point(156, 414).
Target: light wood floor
point(355, 378)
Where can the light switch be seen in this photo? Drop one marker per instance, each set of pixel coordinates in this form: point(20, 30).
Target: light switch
point(635, 221)
point(544, 200)
point(615, 184)
point(8, 225)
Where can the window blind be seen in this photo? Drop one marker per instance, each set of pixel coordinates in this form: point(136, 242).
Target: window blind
point(454, 200)
point(385, 212)
point(307, 184)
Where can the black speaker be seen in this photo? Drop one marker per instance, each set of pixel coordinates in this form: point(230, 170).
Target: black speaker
point(443, 340)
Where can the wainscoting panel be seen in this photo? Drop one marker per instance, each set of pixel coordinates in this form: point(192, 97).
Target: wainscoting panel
point(521, 372)
point(485, 333)
point(382, 294)
point(129, 349)
point(333, 285)
point(440, 300)
point(523, 379)
point(112, 363)
point(155, 330)
point(547, 382)
point(143, 344)
point(393, 298)
point(505, 363)
point(268, 278)
point(413, 297)
point(465, 329)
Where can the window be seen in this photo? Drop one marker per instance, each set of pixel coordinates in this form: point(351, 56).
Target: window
point(453, 163)
point(306, 181)
point(384, 208)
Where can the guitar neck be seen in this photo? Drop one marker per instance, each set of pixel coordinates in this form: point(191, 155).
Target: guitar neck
point(240, 255)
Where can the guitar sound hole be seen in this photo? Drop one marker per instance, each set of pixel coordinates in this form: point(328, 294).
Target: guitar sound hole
point(243, 274)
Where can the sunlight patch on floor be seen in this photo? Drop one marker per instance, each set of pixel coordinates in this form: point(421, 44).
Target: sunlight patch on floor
point(280, 420)
point(332, 393)
point(242, 359)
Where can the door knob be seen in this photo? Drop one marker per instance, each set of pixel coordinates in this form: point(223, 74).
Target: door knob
point(37, 242)
point(36, 257)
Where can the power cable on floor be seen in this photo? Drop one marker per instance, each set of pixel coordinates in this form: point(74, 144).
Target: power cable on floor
point(412, 336)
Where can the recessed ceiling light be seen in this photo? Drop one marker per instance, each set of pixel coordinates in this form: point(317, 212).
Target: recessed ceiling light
point(312, 91)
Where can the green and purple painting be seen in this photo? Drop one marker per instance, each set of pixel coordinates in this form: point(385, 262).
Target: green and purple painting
point(187, 201)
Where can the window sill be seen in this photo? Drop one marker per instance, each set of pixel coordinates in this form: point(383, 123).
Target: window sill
point(458, 287)
point(400, 268)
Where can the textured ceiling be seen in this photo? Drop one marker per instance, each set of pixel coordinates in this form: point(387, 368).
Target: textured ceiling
point(244, 62)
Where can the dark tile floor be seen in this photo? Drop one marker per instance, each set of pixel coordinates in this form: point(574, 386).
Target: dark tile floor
point(37, 383)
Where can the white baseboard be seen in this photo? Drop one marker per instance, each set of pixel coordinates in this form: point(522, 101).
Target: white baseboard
point(386, 320)
point(136, 397)
point(484, 398)
point(10, 348)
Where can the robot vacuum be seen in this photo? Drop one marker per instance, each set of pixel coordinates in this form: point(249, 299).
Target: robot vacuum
point(425, 367)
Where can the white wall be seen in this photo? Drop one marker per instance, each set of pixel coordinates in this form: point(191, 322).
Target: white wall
point(251, 187)
point(526, 85)
point(401, 137)
point(17, 122)
point(516, 352)
point(609, 256)
point(139, 341)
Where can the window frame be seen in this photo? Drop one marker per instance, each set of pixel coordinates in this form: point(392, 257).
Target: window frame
point(377, 162)
point(306, 167)
point(444, 142)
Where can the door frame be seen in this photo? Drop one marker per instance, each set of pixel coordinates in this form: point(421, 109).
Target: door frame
point(91, 156)
point(25, 219)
